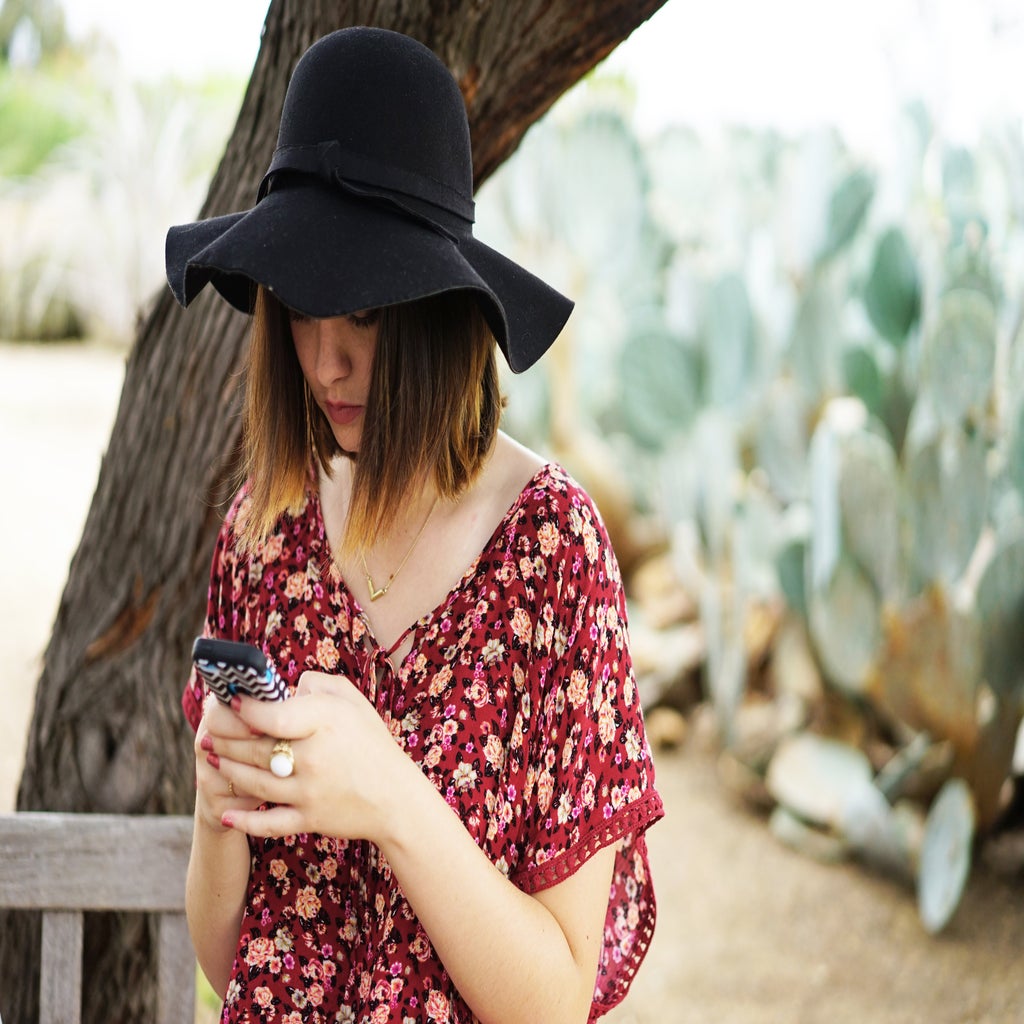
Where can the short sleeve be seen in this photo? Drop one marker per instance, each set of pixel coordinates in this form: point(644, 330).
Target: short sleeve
point(590, 776)
point(221, 605)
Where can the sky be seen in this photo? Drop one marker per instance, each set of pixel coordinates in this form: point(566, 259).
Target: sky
point(188, 37)
point(791, 64)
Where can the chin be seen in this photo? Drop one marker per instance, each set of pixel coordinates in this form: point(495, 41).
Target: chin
point(347, 444)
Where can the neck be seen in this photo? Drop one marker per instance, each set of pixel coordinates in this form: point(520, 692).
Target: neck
point(420, 499)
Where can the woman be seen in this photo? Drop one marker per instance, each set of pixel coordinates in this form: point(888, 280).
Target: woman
point(457, 831)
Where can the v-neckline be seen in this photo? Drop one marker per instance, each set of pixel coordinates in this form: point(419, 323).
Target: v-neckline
point(339, 581)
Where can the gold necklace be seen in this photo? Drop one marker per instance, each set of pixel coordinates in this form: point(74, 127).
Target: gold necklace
point(375, 593)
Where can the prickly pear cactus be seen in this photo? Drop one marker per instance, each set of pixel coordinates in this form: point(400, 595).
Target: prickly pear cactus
point(946, 488)
point(822, 369)
point(910, 572)
point(853, 557)
point(958, 358)
point(892, 295)
point(1000, 605)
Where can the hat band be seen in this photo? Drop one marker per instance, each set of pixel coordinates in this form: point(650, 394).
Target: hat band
point(449, 211)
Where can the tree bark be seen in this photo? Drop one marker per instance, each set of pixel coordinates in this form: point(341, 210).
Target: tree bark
point(107, 734)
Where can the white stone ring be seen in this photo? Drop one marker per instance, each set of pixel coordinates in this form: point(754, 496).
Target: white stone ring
point(282, 759)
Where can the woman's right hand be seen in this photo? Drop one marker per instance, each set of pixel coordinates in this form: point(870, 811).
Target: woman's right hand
point(214, 794)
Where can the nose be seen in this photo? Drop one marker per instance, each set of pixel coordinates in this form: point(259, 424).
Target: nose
point(334, 356)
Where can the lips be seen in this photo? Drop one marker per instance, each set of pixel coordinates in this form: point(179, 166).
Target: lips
point(342, 413)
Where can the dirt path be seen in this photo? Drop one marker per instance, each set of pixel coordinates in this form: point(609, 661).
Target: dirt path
point(752, 933)
point(57, 404)
point(748, 932)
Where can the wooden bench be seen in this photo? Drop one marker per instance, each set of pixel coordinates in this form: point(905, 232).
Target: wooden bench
point(66, 864)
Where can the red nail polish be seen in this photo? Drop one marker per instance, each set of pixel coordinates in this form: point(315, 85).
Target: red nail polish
point(214, 760)
point(206, 742)
point(236, 703)
point(227, 821)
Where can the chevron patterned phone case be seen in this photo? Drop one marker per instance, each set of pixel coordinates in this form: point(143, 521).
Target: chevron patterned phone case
point(229, 668)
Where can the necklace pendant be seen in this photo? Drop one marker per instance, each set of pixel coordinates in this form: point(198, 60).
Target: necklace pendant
point(377, 593)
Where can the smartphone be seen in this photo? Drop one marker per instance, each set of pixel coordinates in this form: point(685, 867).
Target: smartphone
point(231, 668)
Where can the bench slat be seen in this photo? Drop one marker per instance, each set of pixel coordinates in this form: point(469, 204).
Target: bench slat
point(60, 989)
point(176, 968)
point(93, 861)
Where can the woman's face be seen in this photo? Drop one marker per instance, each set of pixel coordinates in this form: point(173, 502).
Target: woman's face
point(336, 356)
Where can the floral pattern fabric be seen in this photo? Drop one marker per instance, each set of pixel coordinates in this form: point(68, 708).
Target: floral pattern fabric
point(517, 700)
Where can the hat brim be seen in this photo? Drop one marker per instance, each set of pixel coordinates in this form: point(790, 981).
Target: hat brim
point(326, 253)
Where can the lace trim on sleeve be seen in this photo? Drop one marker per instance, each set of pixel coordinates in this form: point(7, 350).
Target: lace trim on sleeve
point(632, 819)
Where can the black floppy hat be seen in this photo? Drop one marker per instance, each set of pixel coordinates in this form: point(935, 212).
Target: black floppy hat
point(368, 202)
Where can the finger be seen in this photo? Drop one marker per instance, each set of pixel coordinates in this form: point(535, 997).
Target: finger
point(208, 779)
point(320, 682)
point(283, 719)
point(226, 781)
point(208, 702)
point(249, 750)
point(236, 798)
point(213, 795)
point(269, 824)
point(260, 784)
point(228, 793)
point(210, 804)
point(220, 720)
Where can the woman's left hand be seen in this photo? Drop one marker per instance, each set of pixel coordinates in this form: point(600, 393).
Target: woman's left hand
point(346, 762)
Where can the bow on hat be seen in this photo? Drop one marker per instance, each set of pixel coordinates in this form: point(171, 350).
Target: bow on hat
point(451, 214)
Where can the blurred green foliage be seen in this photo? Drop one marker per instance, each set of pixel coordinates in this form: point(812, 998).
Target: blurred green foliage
point(34, 27)
point(35, 119)
point(93, 168)
point(39, 108)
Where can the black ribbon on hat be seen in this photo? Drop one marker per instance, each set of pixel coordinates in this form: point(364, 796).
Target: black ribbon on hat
point(428, 200)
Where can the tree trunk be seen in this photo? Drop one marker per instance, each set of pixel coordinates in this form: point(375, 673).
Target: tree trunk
point(107, 733)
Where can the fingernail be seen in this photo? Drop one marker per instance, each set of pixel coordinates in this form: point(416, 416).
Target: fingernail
point(206, 743)
point(214, 760)
point(227, 821)
point(236, 703)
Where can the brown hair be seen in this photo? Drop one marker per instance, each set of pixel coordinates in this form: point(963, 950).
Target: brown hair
point(434, 408)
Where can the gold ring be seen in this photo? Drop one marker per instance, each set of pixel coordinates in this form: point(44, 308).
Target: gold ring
point(231, 788)
point(282, 760)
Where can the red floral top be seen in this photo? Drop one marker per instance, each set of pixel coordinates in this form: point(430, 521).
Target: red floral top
point(517, 700)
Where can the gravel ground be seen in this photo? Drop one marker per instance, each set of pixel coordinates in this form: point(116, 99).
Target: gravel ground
point(748, 932)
